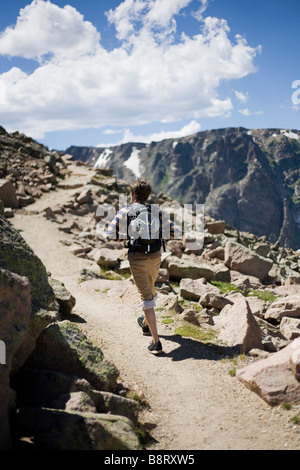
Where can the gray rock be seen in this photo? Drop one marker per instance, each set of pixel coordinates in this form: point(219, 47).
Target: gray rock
point(194, 289)
point(64, 298)
point(8, 194)
point(61, 430)
point(288, 306)
point(62, 347)
point(241, 259)
point(238, 327)
point(272, 378)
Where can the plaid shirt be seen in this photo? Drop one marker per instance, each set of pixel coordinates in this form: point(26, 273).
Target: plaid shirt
point(118, 229)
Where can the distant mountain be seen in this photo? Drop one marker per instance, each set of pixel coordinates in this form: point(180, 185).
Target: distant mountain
point(250, 178)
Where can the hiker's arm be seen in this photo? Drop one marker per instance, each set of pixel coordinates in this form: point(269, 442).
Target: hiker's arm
point(117, 230)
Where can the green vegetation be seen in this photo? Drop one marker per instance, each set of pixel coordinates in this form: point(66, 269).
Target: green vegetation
point(168, 320)
point(286, 406)
point(263, 295)
point(192, 331)
point(225, 287)
point(190, 304)
point(110, 275)
point(295, 419)
point(142, 434)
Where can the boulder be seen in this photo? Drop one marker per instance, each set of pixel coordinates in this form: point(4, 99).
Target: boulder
point(107, 258)
point(215, 227)
point(290, 327)
point(288, 306)
point(257, 306)
point(194, 289)
point(62, 347)
point(238, 327)
point(8, 194)
point(16, 256)
point(15, 309)
point(180, 268)
point(245, 261)
point(221, 272)
point(75, 401)
point(213, 300)
point(61, 430)
point(85, 197)
point(293, 279)
point(190, 317)
point(239, 279)
point(273, 378)
point(39, 387)
point(64, 298)
point(107, 402)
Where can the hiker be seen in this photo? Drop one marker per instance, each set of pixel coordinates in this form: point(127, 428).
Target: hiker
point(144, 252)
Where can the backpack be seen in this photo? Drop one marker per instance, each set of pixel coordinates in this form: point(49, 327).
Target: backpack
point(144, 228)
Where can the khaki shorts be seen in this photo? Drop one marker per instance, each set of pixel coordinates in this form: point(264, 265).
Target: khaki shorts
point(144, 269)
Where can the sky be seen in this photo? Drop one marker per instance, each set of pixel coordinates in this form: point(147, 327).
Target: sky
point(101, 73)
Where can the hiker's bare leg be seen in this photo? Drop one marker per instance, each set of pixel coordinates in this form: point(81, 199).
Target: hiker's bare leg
point(150, 317)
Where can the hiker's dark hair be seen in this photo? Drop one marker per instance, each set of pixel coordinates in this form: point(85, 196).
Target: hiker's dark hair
point(142, 189)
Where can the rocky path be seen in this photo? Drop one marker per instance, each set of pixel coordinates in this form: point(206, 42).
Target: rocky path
point(195, 404)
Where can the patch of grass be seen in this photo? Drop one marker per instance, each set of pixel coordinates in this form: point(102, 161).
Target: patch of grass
point(192, 331)
point(232, 372)
point(295, 419)
point(286, 406)
point(166, 321)
point(225, 287)
point(190, 304)
point(263, 295)
point(109, 275)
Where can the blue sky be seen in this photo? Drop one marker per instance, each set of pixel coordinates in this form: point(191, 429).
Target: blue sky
point(107, 72)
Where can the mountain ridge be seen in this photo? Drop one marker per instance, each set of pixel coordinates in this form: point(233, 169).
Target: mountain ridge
point(250, 178)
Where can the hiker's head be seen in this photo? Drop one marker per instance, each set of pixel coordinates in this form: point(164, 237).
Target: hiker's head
point(140, 190)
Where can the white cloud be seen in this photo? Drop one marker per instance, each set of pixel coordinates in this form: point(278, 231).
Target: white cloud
point(190, 128)
point(242, 97)
point(149, 77)
point(245, 112)
point(43, 28)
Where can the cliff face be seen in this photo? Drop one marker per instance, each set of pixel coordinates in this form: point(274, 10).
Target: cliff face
point(249, 178)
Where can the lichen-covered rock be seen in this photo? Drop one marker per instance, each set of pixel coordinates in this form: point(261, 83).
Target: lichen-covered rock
point(15, 310)
point(18, 257)
point(64, 348)
point(64, 298)
point(107, 402)
point(61, 430)
point(180, 268)
point(38, 387)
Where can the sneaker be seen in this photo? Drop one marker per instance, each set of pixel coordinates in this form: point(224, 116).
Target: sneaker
point(155, 348)
point(145, 328)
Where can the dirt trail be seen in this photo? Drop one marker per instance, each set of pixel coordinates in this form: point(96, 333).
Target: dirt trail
point(194, 403)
